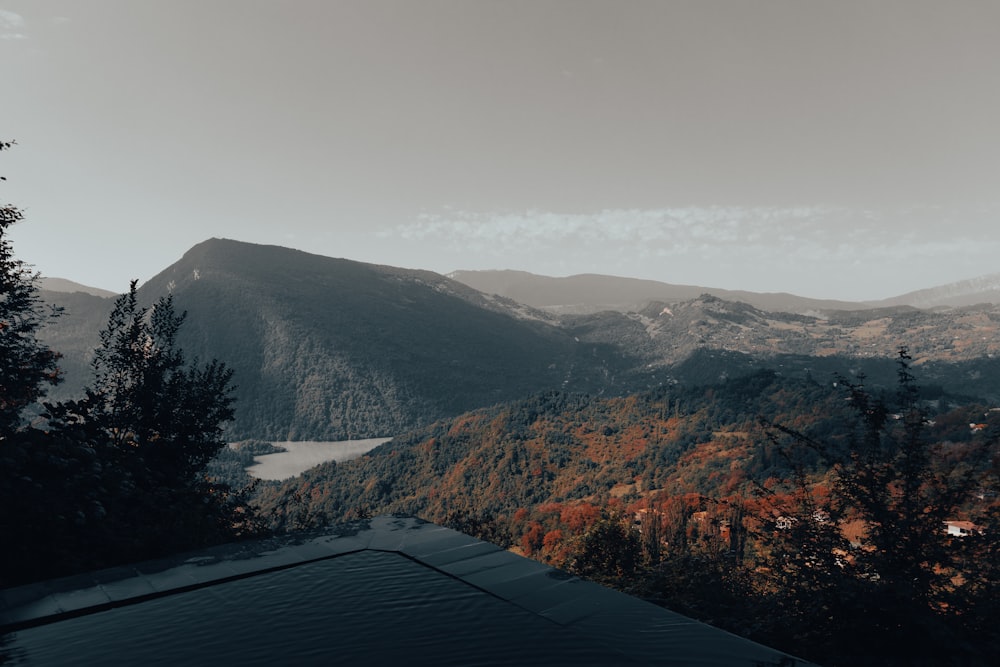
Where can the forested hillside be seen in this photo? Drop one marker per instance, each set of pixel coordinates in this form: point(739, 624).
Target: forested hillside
point(712, 500)
point(571, 448)
point(558, 447)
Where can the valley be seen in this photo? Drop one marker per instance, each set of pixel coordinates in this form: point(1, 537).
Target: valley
point(695, 301)
point(660, 446)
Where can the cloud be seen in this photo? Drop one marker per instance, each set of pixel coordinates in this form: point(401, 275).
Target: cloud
point(825, 230)
point(670, 230)
point(11, 25)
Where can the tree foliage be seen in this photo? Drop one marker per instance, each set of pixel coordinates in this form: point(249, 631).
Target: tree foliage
point(871, 559)
point(677, 495)
point(152, 403)
point(27, 366)
point(117, 475)
point(610, 550)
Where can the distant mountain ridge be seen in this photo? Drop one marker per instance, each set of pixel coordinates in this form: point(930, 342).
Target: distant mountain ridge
point(590, 293)
point(982, 289)
point(63, 285)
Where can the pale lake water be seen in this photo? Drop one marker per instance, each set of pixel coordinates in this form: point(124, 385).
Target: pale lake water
point(302, 455)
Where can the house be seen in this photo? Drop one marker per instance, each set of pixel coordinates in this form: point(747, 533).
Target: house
point(962, 528)
point(785, 522)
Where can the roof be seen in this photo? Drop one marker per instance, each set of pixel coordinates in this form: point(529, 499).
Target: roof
point(388, 589)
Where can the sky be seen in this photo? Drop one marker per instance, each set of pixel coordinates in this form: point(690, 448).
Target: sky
point(830, 149)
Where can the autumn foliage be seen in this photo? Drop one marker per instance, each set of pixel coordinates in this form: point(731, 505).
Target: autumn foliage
point(728, 502)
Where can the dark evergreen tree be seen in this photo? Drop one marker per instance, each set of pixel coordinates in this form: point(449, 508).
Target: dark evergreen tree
point(27, 368)
point(119, 474)
point(26, 365)
point(162, 420)
point(152, 403)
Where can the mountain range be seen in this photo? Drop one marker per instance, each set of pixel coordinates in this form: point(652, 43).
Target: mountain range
point(63, 285)
point(331, 349)
point(983, 289)
point(543, 429)
point(590, 293)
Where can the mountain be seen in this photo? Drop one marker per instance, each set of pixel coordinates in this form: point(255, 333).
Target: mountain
point(329, 349)
point(74, 334)
point(983, 289)
point(667, 333)
point(590, 293)
point(708, 339)
point(63, 285)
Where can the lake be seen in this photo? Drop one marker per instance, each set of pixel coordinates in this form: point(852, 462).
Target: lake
point(299, 456)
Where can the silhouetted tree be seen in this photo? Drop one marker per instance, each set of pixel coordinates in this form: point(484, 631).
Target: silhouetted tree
point(119, 474)
point(162, 419)
point(26, 365)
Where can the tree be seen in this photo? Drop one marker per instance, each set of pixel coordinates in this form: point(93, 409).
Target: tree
point(26, 365)
point(117, 475)
point(608, 551)
point(27, 368)
point(150, 401)
point(162, 420)
point(869, 563)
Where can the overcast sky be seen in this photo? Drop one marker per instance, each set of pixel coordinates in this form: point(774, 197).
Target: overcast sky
point(831, 149)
